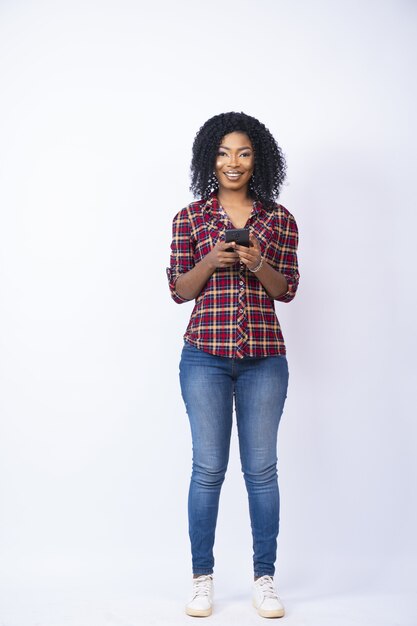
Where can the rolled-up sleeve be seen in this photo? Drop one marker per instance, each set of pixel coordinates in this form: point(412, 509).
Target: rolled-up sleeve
point(285, 258)
point(182, 252)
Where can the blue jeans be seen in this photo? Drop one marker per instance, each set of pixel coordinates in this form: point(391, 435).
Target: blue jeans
point(259, 387)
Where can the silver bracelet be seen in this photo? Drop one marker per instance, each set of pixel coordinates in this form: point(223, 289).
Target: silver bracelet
point(258, 267)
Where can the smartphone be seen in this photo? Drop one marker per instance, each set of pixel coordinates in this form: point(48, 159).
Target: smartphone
point(240, 235)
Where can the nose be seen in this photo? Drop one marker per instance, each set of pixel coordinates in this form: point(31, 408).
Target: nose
point(233, 160)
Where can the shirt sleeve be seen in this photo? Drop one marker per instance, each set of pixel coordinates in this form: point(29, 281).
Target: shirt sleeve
point(285, 257)
point(182, 252)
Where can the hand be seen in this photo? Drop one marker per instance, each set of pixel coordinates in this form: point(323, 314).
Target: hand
point(251, 256)
point(218, 257)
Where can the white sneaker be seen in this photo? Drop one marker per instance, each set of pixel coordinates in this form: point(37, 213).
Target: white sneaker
point(201, 601)
point(265, 598)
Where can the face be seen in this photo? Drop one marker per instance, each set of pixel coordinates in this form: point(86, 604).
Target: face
point(234, 161)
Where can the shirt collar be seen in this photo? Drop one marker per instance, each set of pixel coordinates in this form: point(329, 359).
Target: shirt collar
point(212, 205)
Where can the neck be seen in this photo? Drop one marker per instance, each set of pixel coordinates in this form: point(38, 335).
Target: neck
point(231, 198)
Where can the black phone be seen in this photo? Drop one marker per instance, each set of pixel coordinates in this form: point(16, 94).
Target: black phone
point(240, 235)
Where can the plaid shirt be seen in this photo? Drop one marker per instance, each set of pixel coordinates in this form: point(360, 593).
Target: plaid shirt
point(233, 314)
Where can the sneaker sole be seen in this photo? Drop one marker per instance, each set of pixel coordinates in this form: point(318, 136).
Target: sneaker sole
point(198, 612)
point(264, 613)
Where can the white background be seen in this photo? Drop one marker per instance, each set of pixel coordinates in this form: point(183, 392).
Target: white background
point(100, 102)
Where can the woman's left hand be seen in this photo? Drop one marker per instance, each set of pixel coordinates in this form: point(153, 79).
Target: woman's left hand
point(251, 256)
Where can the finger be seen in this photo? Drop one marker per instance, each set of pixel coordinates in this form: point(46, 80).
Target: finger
point(223, 245)
point(229, 256)
point(227, 263)
point(250, 260)
point(244, 254)
point(246, 262)
point(242, 248)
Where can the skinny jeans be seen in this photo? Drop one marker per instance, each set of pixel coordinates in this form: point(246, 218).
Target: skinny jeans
point(257, 387)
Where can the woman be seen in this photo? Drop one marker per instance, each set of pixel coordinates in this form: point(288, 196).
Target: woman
point(234, 348)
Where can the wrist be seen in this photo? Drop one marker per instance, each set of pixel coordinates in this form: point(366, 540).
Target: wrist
point(208, 262)
point(258, 266)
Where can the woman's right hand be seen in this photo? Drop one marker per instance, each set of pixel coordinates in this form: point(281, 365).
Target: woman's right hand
point(218, 257)
point(190, 284)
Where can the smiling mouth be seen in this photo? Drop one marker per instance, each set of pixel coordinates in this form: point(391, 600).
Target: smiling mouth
point(233, 175)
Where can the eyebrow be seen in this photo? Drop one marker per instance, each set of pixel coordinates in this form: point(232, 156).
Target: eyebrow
point(242, 148)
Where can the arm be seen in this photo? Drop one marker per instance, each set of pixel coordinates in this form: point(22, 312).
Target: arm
point(187, 278)
point(182, 252)
point(189, 285)
point(286, 260)
point(279, 270)
point(274, 282)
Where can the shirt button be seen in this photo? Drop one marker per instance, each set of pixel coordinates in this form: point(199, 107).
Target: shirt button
point(241, 282)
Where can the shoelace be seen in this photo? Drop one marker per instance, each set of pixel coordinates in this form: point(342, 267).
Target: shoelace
point(202, 586)
point(266, 585)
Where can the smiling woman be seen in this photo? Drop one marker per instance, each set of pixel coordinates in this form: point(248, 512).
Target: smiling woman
point(233, 169)
point(234, 347)
point(235, 162)
point(269, 166)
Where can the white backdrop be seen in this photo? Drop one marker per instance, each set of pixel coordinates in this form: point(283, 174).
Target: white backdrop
point(100, 102)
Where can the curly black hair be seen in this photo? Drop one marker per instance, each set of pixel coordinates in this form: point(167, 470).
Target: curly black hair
point(269, 169)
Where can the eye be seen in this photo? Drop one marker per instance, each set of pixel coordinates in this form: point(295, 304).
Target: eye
point(245, 154)
point(221, 153)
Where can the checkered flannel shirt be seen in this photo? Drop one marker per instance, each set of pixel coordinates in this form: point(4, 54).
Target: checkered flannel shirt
point(233, 314)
